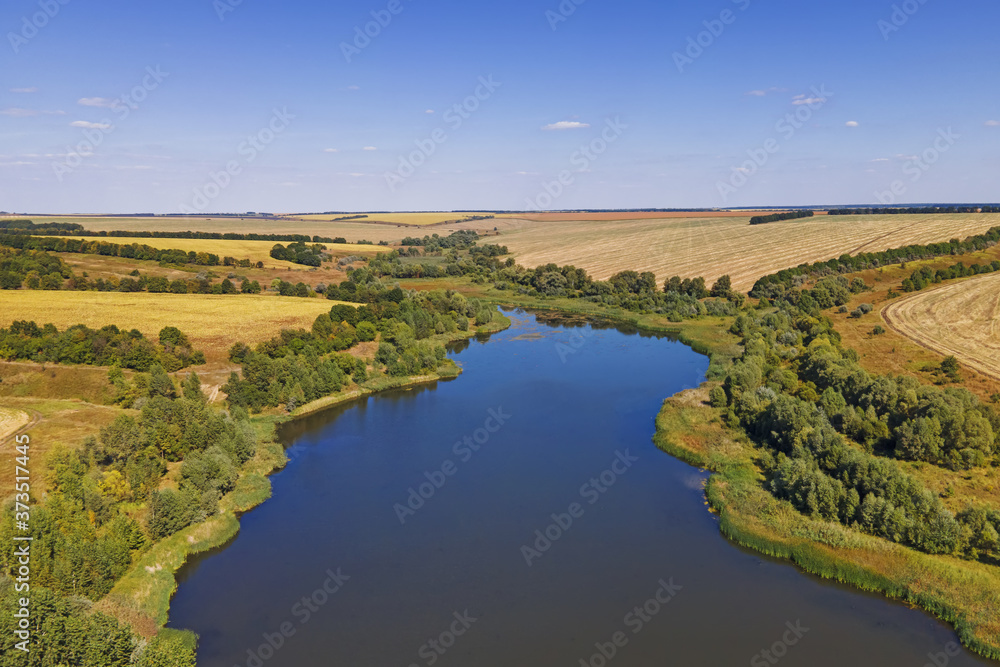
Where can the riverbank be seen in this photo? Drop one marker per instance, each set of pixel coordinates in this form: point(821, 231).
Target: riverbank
point(961, 593)
point(141, 598)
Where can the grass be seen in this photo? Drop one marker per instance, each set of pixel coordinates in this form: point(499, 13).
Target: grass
point(212, 322)
point(55, 423)
point(255, 251)
point(12, 421)
point(893, 353)
point(711, 247)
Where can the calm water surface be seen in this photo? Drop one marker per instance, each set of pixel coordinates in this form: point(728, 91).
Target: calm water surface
point(449, 582)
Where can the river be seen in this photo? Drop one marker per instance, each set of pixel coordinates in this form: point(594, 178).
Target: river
point(520, 515)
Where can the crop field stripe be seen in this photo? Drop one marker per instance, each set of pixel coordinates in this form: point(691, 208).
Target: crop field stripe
point(960, 319)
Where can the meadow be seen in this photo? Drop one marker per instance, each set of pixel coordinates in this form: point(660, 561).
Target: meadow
point(960, 319)
point(212, 322)
point(714, 246)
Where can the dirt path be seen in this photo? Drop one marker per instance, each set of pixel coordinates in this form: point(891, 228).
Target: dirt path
point(15, 422)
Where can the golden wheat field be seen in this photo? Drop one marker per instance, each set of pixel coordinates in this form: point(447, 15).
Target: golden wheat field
point(212, 322)
point(255, 251)
point(961, 319)
point(711, 247)
point(352, 231)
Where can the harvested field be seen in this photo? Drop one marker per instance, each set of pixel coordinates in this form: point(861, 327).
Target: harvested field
point(416, 219)
point(711, 247)
point(961, 319)
point(639, 215)
point(213, 323)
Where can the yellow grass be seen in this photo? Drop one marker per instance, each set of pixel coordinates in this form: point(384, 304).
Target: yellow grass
point(422, 218)
point(961, 319)
point(711, 247)
point(255, 251)
point(213, 323)
point(11, 421)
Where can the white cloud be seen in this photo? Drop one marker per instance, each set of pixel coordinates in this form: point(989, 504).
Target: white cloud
point(19, 113)
point(96, 102)
point(369, 148)
point(566, 125)
point(993, 123)
point(90, 126)
point(330, 150)
point(802, 99)
point(429, 111)
point(354, 87)
point(852, 123)
point(880, 159)
point(762, 93)
point(24, 90)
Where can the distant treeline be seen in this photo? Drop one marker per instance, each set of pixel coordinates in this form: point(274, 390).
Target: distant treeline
point(130, 250)
point(460, 240)
point(925, 276)
point(77, 230)
point(29, 226)
point(915, 210)
point(776, 284)
point(776, 217)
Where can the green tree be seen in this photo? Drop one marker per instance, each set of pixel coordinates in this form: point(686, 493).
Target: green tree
point(723, 287)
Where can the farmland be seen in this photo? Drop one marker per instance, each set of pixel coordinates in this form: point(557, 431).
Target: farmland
point(352, 230)
point(960, 319)
point(418, 219)
point(711, 247)
point(255, 251)
point(213, 323)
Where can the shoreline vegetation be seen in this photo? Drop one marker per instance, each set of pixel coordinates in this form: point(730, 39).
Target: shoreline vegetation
point(142, 597)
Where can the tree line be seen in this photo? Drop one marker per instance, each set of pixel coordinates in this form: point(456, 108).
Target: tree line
point(300, 253)
point(106, 346)
point(829, 431)
point(105, 508)
point(925, 276)
point(776, 284)
point(301, 366)
point(913, 210)
point(68, 229)
point(32, 227)
point(129, 251)
point(776, 217)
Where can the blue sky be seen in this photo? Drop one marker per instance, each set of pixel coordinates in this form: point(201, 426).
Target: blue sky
point(588, 106)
